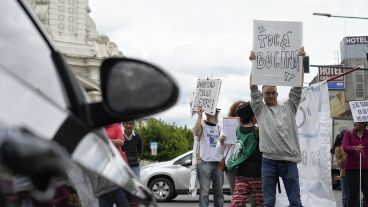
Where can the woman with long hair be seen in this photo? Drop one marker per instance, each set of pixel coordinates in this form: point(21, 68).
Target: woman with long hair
point(227, 149)
point(246, 160)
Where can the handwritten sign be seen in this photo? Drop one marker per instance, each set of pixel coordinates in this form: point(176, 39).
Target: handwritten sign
point(206, 95)
point(230, 124)
point(359, 110)
point(276, 45)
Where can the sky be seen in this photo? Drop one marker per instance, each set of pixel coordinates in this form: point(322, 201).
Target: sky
point(193, 39)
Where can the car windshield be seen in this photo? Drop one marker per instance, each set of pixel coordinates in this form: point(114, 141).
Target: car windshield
point(24, 53)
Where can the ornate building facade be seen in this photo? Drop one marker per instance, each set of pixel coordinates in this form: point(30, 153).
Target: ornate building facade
point(75, 36)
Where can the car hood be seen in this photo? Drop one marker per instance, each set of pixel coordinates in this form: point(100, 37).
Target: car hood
point(158, 164)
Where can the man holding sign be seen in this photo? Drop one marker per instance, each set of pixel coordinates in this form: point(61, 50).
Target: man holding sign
point(278, 140)
point(208, 159)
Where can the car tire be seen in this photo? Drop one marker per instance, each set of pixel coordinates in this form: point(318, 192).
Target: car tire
point(174, 196)
point(162, 189)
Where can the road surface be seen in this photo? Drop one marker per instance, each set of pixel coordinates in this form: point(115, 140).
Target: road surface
point(189, 201)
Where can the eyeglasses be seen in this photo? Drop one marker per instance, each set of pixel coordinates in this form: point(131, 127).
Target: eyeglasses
point(271, 93)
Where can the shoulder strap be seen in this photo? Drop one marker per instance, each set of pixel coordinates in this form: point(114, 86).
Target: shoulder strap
point(228, 150)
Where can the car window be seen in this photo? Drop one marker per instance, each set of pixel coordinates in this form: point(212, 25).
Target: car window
point(182, 160)
point(24, 107)
point(24, 53)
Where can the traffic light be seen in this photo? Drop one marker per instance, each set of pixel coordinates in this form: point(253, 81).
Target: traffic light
point(306, 64)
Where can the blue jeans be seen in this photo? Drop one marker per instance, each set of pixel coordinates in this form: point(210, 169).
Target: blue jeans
point(344, 191)
point(137, 171)
point(288, 171)
point(207, 172)
point(116, 197)
point(231, 180)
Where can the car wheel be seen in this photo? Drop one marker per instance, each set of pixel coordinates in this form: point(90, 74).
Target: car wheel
point(174, 196)
point(162, 189)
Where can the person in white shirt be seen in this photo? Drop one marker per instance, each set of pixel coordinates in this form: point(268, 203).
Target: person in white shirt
point(208, 159)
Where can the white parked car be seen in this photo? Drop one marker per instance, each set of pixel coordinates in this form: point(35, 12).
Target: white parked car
point(168, 179)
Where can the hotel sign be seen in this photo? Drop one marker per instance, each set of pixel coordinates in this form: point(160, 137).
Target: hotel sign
point(329, 71)
point(356, 40)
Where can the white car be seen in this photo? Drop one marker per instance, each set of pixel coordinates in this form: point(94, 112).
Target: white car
point(168, 179)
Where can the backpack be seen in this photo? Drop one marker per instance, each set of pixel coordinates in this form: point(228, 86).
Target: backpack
point(242, 149)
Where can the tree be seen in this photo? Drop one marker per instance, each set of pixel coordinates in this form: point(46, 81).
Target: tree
point(172, 140)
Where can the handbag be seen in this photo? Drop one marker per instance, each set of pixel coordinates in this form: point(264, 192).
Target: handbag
point(222, 164)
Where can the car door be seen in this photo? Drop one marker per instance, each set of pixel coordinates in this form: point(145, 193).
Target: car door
point(40, 93)
point(32, 92)
point(182, 175)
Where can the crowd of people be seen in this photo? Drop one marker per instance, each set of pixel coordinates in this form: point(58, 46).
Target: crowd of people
point(264, 154)
point(266, 149)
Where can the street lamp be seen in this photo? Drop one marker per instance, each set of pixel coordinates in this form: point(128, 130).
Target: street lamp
point(330, 15)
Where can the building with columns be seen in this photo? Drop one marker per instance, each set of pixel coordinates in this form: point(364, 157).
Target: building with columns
point(75, 36)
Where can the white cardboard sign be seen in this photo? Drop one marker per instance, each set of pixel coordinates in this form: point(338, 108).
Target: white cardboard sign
point(276, 45)
point(359, 110)
point(206, 95)
point(229, 129)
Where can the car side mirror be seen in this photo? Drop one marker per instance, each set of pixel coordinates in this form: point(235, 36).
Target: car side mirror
point(187, 162)
point(133, 89)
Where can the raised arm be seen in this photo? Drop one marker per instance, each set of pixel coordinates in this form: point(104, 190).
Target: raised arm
point(256, 96)
point(253, 88)
point(296, 92)
point(294, 98)
point(198, 127)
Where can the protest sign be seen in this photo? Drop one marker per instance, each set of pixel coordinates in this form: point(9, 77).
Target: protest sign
point(276, 45)
point(206, 95)
point(230, 124)
point(359, 110)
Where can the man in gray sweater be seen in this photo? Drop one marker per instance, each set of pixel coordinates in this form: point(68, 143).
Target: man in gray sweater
point(278, 141)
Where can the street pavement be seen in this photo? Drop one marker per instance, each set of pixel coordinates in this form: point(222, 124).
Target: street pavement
point(187, 200)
